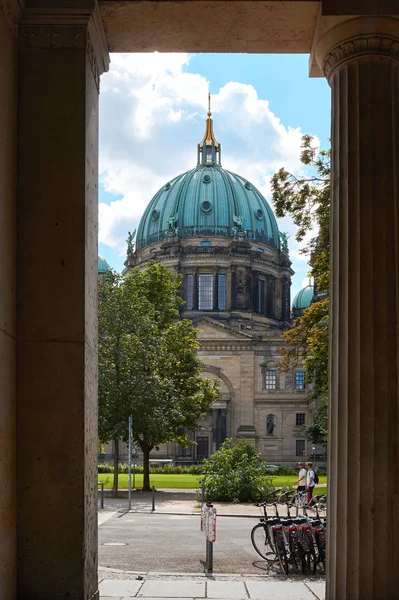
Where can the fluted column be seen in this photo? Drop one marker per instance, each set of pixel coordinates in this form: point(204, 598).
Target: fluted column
point(361, 61)
point(62, 53)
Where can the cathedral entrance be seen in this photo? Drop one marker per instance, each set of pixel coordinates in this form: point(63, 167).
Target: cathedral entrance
point(202, 447)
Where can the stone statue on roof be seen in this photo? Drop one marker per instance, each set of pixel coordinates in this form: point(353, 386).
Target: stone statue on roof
point(284, 241)
point(238, 227)
point(173, 229)
point(130, 242)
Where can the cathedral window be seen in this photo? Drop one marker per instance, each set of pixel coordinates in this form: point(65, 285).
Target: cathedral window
point(300, 419)
point(190, 292)
point(205, 291)
point(205, 243)
point(300, 447)
point(270, 379)
point(221, 291)
point(299, 380)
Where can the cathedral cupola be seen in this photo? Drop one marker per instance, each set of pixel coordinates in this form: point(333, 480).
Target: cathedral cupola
point(209, 149)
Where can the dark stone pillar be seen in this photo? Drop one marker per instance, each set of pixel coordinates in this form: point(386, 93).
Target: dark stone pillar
point(61, 57)
point(360, 58)
point(215, 290)
point(233, 288)
point(195, 289)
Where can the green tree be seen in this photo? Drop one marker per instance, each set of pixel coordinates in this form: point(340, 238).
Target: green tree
point(148, 363)
point(307, 200)
point(236, 473)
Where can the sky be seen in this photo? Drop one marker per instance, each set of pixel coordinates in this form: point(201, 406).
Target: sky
point(152, 116)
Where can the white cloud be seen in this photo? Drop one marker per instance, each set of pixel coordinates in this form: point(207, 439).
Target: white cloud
point(152, 115)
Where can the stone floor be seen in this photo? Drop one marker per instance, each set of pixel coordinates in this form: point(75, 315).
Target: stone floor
point(162, 586)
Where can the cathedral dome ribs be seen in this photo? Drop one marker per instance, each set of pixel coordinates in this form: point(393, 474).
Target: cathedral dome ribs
point(216, 229)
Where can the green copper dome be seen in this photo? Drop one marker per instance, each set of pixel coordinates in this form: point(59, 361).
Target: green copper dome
point(303, 298)
point(208, 201)
point(103, 266)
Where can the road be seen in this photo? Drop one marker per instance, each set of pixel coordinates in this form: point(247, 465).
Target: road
point(175, 544)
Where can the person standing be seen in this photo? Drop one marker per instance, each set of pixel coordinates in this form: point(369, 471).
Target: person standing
point(310, 476)
point(301, 482)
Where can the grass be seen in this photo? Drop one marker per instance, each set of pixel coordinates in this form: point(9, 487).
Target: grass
point(160, 480)
point(189, 482)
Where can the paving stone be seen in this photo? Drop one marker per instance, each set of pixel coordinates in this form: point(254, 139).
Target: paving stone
point(226, 589)
point(183, 588)
point(318, 588)
point(282, 590)
point(119, 587)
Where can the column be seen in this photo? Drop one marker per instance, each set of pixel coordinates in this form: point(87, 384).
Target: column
point(9, 14)
point(195, 288)
point(215, 302)
point(62, 54)
point(233, 288)
point(360, 58)
point(286, 301)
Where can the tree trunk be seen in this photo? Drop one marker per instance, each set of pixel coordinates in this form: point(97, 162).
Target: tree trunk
point(116, 463)
point(146, 469)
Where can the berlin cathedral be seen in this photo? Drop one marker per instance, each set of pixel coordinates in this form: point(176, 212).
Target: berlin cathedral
point(216, 229)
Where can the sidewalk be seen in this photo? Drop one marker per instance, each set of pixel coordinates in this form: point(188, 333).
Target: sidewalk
point(162, 586)
point(176, 501)
point(122, 585)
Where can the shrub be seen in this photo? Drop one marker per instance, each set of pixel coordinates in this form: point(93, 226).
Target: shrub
point(196, 469)
point(105, 468)
point(235, 473)
point(284, 470)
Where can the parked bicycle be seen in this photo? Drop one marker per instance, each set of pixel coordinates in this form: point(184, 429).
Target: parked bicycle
point(297, 543)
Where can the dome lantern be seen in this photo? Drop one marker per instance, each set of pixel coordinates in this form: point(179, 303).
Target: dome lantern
point(209, 149)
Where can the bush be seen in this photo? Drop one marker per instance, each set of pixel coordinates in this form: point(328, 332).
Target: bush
point(284, 470)
point(235, 473)
point(105, 468)
point(196, 469)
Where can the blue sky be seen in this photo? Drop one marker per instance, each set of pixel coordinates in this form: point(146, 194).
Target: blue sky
point(152, 115)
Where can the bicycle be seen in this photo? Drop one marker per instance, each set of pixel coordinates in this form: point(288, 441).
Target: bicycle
point(262, 533)
point(318, 525)
point(305, 532)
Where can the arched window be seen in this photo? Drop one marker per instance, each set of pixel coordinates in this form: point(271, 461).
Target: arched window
point(271, 425)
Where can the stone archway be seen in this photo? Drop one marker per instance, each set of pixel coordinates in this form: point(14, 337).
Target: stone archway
point(53, 55)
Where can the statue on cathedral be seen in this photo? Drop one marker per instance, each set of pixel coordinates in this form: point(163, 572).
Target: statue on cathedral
point(270, 424)
point(238, 228)
point(284, 241)
point(173, 229)
point(130, 242)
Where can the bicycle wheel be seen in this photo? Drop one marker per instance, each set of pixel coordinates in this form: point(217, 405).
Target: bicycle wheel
point(309, 554)
point(297, 556)
point(321, 549)
point(281, 552)
point(261, 542)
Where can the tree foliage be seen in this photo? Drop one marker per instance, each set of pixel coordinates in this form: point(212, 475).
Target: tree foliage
point(236, 473)
point(148, 363)
point(307, 200)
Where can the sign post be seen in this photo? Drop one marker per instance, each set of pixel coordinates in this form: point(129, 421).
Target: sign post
point(208, 525)
point(130, 462)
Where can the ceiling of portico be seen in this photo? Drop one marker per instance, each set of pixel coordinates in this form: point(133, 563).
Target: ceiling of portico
point(252, 26)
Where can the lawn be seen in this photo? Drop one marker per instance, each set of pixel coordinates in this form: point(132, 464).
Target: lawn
point(161, 480)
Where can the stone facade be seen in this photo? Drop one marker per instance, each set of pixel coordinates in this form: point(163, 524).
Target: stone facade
point(240, 342)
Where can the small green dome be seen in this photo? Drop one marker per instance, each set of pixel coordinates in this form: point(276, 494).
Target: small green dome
point(103, 266)
point(303, 298)
point(207, 202)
